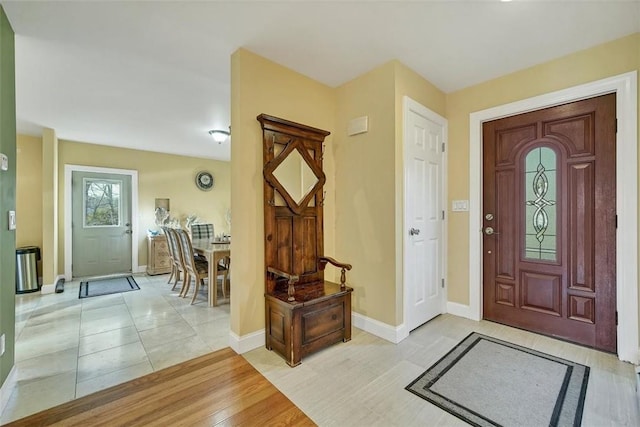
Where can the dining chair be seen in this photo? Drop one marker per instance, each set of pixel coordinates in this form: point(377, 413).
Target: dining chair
point(223, 270)
point(175, 253)
point(202, 231)
point(196, 268)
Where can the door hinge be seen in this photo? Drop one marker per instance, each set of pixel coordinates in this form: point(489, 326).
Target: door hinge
point(443, 215)
point(616, 221)
point(616, 125)
point(616, 318)
point(442, 283)
point(443, 147)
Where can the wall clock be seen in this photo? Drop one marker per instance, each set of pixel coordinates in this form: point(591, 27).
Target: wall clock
point(204, 181)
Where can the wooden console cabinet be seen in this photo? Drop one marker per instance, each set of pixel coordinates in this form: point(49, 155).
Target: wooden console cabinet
point(158, 259)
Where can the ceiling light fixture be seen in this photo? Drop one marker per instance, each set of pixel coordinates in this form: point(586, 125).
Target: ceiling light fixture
point(219, 136)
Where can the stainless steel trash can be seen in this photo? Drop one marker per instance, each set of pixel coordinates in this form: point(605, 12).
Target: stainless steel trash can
point(27, 258)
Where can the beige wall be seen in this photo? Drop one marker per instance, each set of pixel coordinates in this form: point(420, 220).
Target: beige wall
point(369, 173)
point(29, 191)
point(365, 201)
point(603, 61)
point(159, 176)
point(261, 86)
point(50, 232)
point(363, 230)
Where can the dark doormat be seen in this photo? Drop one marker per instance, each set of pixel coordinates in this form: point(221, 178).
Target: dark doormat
point(114, 285)
point(489, 382)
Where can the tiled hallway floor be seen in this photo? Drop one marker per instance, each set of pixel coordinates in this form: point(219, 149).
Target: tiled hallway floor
point(361, 383)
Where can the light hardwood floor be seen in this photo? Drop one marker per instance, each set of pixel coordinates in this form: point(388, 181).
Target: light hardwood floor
point(359, 383)
point(220, 388)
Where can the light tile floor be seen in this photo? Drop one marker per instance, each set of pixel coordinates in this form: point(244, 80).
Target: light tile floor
point(361, 383)
point(67, 348)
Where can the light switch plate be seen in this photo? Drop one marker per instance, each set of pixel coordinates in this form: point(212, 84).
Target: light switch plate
point(460, 206)
point(12, 220)
point(4, 162)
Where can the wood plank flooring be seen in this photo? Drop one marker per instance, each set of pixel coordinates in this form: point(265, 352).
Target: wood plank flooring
point(219, 388)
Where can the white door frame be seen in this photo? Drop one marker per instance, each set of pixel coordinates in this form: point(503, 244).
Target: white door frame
point(625, 87)
point(411, 105)
point(68, 206)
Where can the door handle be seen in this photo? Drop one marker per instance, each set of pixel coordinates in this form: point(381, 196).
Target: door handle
point(128, 231)
point(489, 231)
point(414, 231)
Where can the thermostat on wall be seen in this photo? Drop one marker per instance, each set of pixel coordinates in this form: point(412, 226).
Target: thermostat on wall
point(4, 162)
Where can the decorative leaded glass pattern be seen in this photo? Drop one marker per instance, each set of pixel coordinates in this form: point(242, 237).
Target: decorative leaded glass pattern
point(102, 202)
point(540, 196)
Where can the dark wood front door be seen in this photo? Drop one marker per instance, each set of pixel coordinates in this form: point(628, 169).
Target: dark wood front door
point(549, 217)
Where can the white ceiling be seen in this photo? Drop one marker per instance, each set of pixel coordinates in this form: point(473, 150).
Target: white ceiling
point(156, 75)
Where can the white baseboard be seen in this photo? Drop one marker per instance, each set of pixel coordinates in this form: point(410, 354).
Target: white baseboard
point(460, 310)
point(245, 343)
point(48, 289)
point(51, 288)
point(393, 334)
point(7, 388)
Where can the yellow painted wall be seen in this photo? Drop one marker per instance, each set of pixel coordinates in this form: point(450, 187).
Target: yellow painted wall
point(369, 177)
point(362, 183)
point(261, 86)
point(50, 187)
point(617, 57)
point(29, 191)
point(365, 201)
point(159, 176)
point(411, 84)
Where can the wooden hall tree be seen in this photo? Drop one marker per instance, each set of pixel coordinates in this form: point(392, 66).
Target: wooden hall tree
point(304, 313)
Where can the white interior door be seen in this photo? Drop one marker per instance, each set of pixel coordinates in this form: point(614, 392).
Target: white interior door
point(101, 224)
point(423, 214)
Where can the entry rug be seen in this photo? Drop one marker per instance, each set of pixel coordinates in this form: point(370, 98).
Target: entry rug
point(114, 285)
point(489, 382)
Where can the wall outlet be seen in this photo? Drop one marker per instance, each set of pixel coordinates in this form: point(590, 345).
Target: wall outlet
point(4, 162)
point(2, 344)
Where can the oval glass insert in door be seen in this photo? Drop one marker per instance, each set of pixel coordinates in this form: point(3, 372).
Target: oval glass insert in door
point(540, 212)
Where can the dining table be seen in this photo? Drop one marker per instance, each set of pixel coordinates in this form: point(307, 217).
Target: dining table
point(214, 251)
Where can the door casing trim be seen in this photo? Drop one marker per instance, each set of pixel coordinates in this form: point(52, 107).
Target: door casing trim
point(68, 245)
point(625, 87)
